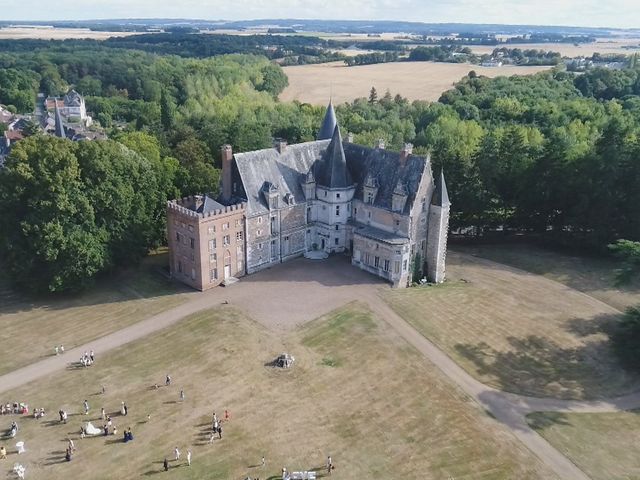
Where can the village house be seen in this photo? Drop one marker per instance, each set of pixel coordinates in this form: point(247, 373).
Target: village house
point(385, 209)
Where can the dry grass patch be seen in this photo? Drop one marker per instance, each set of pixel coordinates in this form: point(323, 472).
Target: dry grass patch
point(49, 33)
point(605, 446)
point(594, 276)
point(31, 326)
point(516, 331)
point(381, 410)
point(414, 80)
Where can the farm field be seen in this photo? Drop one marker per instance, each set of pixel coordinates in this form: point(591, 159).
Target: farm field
point(414, 80)
point(594, 276)
point(33, 325)
point(357, 392)
point(604, 445)
point(58, 33)
point(601, 45)
point(518, 332)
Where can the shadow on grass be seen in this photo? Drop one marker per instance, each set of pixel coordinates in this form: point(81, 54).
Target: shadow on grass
point(543, 420)
point(538, 366)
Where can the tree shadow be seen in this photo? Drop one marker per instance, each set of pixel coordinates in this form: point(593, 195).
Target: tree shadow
point(543, 420)
point(538, 366)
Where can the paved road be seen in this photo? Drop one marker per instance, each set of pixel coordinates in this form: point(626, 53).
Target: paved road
point(265, 296)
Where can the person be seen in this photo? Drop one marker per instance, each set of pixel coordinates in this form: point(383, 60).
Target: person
point(115, 430)
point(72, 445)
point(329, 465)
point(86, 407)
point(189, 457)
point(122, 410)
point(106, 429)
point(126, 410)
point(64, 416)
point(83, 432)
point(92, 356)
point(103, 389)
point(263, 460)
point(212, 437)
point(103, 415)
point(56, 350)
point(284, 473)
point(215, 418)
point(227, 415)
point(61, 348)
point(182, 395)
point(3, 452)
point(167, 381)
point(166, 465)
point(109, 421)
point(176, 453)
point(67, 455)
point(219, 431)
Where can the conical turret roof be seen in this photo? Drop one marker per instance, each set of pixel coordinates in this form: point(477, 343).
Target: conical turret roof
point(328, 124)
point(441, 196)
point(334, 172)
point(59, 128)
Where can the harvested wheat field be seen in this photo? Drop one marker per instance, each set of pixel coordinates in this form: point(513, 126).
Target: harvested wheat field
point(626, 46)
point(414, 80)
point(517, 331)
point(50, 33)
point(356, 392)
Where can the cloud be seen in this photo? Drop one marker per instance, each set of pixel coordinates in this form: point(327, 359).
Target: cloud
point(613, 13)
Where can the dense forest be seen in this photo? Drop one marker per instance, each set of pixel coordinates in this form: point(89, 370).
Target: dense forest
point(555, 154)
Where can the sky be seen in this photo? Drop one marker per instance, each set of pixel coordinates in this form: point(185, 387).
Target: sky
point(595, 13)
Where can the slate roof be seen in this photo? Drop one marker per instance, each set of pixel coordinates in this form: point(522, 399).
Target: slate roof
point(286, 170)
point(328, 124)
point(385, 169)
point(72, 99)
point(380, 235)
point(209, 205)
point(332, 172)
point(59, 131)
point(440, 195)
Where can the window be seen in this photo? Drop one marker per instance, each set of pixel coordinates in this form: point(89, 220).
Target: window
point(211, 230)
point(337, 195)
point(239, 236)
point(179, 266)
point(422, 245)
point(397, 223)
point(355, 211)
point(337, 240)
point(404, 266)
point(212, 244)
point(337, 227)
point(337, 210)
point(376, 262)
point(193, 257)
point(213, 274)
point(178, 237)
point(325, 193)
point(259, 220)
point(213, 258)
point(193, 274)
point(226, 240)
point(368, 214)
point(386, 265)
point(225, 226)
point(239, 265)
point(424, 204)
point(369, 197)
point(367, 258)
point(259, 232)
point(286, 238)
point(259, 246)
point(192, 242)
point(396, 267)
point(238, 223)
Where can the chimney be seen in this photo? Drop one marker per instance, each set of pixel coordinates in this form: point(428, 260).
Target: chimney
point(280, 144)
point(350, 137)
point(380, 144)
point(405, 152)
point(226, 153)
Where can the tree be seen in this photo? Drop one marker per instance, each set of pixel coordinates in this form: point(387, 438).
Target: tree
point(626, 339)
point(373, 95)
point(629, 252)
point(49, 240)
point(167, 110)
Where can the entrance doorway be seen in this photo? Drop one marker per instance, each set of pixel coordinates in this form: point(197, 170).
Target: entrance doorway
point(323, 244)
point(227, 271)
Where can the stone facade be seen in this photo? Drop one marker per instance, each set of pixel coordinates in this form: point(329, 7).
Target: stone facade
point(382, 208)
point(206, 246)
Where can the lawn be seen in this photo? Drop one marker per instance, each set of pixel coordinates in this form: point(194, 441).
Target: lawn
point(516, 331)
point(357, 392)
point(33, 325)
point(606, 446)
point(592, 275)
